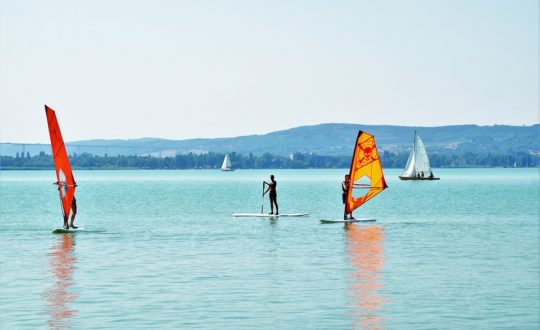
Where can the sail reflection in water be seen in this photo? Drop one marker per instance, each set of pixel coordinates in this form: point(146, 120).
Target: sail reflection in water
point(365, 249)
point(58, 298)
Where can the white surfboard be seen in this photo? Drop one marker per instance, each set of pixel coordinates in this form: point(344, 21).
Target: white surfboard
point(264, 215)
point(67, 231)
point(347, 221)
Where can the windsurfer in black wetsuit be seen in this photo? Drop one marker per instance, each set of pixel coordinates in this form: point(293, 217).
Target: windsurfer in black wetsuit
point(273, 194)
point(344, 192)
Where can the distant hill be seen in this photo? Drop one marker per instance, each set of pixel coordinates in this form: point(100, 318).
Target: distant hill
point(323, 139)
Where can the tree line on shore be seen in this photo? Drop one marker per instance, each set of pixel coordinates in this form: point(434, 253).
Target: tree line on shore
point(213, 160)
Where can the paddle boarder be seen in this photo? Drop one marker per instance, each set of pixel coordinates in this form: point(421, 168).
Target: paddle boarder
point(273, 194)
point(344, 191)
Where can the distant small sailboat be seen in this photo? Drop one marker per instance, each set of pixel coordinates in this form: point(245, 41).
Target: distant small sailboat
point(64, 176)
point(417, 167)
point(366, 175)
point(226, 166)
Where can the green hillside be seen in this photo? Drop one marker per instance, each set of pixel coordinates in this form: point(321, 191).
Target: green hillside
point(324, 139)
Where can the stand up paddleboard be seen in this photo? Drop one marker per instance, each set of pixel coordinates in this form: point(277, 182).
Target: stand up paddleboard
point(66, 231)
point(347, 221)
point(263, 215)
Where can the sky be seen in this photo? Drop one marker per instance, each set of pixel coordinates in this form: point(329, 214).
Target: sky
point(188, 69)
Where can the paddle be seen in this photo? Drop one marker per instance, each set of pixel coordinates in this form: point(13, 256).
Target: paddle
point(262, 205)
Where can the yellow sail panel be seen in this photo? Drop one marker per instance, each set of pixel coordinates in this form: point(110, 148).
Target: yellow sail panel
point(366, 172)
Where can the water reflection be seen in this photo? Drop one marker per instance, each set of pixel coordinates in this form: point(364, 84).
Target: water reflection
point(62, 263)
point(365, 250)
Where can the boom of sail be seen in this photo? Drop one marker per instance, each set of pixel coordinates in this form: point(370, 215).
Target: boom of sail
point(366, 173)
point(226, 166)
point(418, 167)
point(64, 176)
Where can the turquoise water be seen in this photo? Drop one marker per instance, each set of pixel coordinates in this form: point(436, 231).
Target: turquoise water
point(161, 250)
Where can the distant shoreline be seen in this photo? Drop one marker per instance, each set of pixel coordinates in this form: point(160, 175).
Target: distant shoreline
point(265, 161)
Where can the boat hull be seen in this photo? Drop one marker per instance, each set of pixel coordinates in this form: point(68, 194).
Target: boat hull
point(417, 178)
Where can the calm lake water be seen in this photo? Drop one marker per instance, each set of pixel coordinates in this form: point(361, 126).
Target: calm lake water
point(161, 250)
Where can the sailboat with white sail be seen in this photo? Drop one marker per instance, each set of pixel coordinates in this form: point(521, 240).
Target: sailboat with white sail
point(226, 166)
point(418, 167)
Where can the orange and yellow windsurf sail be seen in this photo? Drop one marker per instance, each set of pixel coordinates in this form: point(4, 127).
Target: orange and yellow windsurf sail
point(366, 172)
point(64, 176)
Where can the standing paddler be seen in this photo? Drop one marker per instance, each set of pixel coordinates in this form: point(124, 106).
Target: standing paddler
point(273, 194)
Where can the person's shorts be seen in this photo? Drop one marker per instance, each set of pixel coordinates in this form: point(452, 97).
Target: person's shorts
point(344, 198)
point(273, 196)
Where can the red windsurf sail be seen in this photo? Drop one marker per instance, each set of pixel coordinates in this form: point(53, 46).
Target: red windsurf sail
point(64, 176)
point(366, 172)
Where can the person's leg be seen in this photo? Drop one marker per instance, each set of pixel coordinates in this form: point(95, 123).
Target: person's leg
point(344, 198)
point(73, 214)
point(275, 202)
point(271, 204)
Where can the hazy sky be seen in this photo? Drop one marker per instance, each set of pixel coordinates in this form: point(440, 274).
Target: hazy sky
point(186, 69)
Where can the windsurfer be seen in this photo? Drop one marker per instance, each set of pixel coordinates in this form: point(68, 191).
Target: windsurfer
point(64, 177)
point(344, 191)
point(273, 194)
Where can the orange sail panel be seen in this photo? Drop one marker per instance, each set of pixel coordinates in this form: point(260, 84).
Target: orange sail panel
point(64, 176)
point(366, 173)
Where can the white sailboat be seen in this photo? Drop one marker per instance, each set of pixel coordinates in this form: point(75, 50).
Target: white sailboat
point(226, 166)
point(417, 167)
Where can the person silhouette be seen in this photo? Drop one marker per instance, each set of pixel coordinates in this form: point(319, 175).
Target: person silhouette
point(273, 194)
